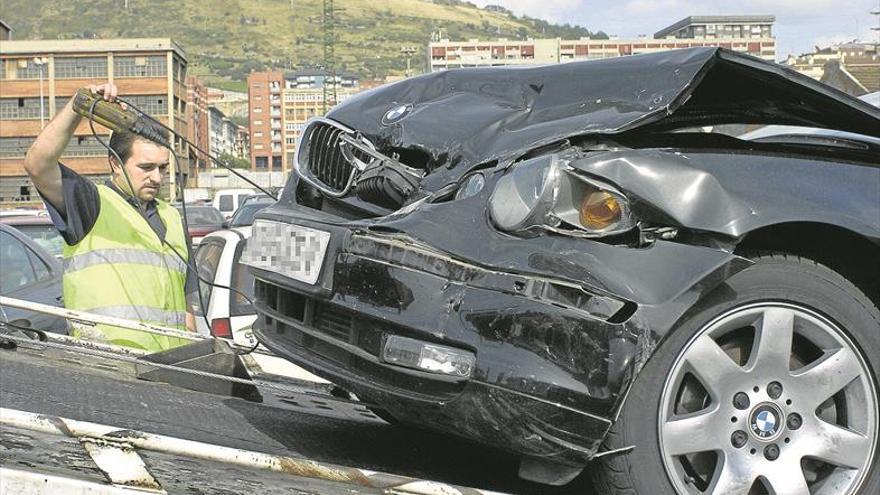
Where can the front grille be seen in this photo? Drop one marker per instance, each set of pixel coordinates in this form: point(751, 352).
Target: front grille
point(333, 321)
point(324, 159)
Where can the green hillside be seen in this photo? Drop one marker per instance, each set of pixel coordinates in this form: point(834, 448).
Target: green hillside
point(226, 39)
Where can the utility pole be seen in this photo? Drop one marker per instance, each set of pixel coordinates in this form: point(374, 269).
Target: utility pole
point(329, 24)
point(877, 29)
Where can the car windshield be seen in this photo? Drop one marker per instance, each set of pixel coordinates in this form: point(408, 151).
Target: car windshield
point(203, 215)
point(46, 236)
point(245, 215)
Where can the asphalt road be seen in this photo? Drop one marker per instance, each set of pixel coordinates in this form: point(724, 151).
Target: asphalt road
point(303, 423)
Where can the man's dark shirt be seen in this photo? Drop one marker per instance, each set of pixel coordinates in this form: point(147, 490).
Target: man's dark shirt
point(82, 204)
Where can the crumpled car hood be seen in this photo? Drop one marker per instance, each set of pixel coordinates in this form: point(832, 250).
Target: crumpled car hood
point(473, 116)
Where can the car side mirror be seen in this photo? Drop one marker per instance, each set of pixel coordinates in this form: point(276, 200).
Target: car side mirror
point(225, 224)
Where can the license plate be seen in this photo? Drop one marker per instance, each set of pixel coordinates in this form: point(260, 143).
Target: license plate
point(290, 250)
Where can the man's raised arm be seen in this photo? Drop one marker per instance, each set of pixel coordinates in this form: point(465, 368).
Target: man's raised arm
point(41, 161)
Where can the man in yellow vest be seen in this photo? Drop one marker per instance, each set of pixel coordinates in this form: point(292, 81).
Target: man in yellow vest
point(119, 261)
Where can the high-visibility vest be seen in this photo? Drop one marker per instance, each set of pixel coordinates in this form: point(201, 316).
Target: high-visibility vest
point(122, 269)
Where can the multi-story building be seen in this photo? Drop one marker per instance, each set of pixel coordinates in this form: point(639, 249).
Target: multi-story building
point(243, 141)
point(851, 67)
point(756, 27)
point(304, 97)
point(277, 115)
point(199, 124)
point(38, 77)
point(317, 78)
point(224, 134)
point(747, 34)
point(264, 118)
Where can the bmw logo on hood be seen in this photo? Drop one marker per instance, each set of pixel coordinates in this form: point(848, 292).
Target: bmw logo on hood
point(396, 113)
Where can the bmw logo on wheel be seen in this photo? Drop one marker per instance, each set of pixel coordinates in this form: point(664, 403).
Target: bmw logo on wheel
point(396, 114)
point(765, 421)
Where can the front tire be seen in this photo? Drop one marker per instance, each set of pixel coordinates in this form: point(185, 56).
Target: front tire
point(768, 385)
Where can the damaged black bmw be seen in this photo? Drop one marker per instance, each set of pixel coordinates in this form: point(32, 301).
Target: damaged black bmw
point(562, 262)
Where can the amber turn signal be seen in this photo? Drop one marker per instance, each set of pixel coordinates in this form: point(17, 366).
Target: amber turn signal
point(599, 210)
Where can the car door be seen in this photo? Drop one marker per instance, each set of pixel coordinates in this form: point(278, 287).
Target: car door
point(241, 312)
point(207, 260)
point(30, 276)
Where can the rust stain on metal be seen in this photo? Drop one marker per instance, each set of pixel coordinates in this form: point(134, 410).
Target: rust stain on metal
point(309, 469)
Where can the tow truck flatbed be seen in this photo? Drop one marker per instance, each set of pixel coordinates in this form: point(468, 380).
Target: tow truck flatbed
point(296, 420)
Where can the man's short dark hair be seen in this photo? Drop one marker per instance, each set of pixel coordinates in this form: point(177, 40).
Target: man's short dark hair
point(121, 142)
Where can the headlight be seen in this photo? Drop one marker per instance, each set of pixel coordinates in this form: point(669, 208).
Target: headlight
point(471, 186)
point(523, 198)
point(545, 193)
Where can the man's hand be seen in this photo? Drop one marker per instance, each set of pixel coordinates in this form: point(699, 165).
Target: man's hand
point(41, 161)
point(107, 90)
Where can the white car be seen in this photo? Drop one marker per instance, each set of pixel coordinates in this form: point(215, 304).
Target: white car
point(229, 315)
point(228, 200)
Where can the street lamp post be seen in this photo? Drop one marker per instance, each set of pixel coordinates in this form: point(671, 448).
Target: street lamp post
point(40, 62)
point(408, 51)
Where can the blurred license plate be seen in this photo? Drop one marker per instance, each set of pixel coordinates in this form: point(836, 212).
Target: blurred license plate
point(290, 250)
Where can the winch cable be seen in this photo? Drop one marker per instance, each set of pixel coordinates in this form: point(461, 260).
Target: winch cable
point(140, 208)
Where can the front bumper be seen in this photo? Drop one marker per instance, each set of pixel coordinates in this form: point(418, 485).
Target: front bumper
point(553, 358)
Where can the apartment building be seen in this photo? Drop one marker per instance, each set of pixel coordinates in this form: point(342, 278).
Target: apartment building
point(38, 77)
point(264, 118)
point(224, 134)
point(852, 67)
point(199, 124)
point(301, 96)
point(747, 34)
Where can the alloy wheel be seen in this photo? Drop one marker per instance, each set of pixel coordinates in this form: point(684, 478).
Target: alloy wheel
point(769, 398)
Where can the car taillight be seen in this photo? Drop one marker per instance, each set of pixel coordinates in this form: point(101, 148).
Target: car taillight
point(220, 327)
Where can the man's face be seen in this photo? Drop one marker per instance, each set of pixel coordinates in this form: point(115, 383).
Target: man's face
point(147, 167)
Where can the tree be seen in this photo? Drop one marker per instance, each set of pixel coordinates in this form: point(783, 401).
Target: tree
point(234, 161)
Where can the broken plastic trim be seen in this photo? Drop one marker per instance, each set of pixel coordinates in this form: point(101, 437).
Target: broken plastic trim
point(303, 145)
point(401, 252)
point(349, 141)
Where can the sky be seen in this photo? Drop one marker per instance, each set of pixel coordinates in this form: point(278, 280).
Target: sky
point(800, 24)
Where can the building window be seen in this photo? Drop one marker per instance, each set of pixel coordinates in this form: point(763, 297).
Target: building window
point(23, 108)
point(148, 66)
point(290, 140)
point(258, 122)
point(258, 110)
point(262, 162)
point(258, 134)
point(276, 163)
point(151, 104)
point(179, 71)
point(14, 147)
point(24, 68)
point(80, 67)
point(86, 146)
